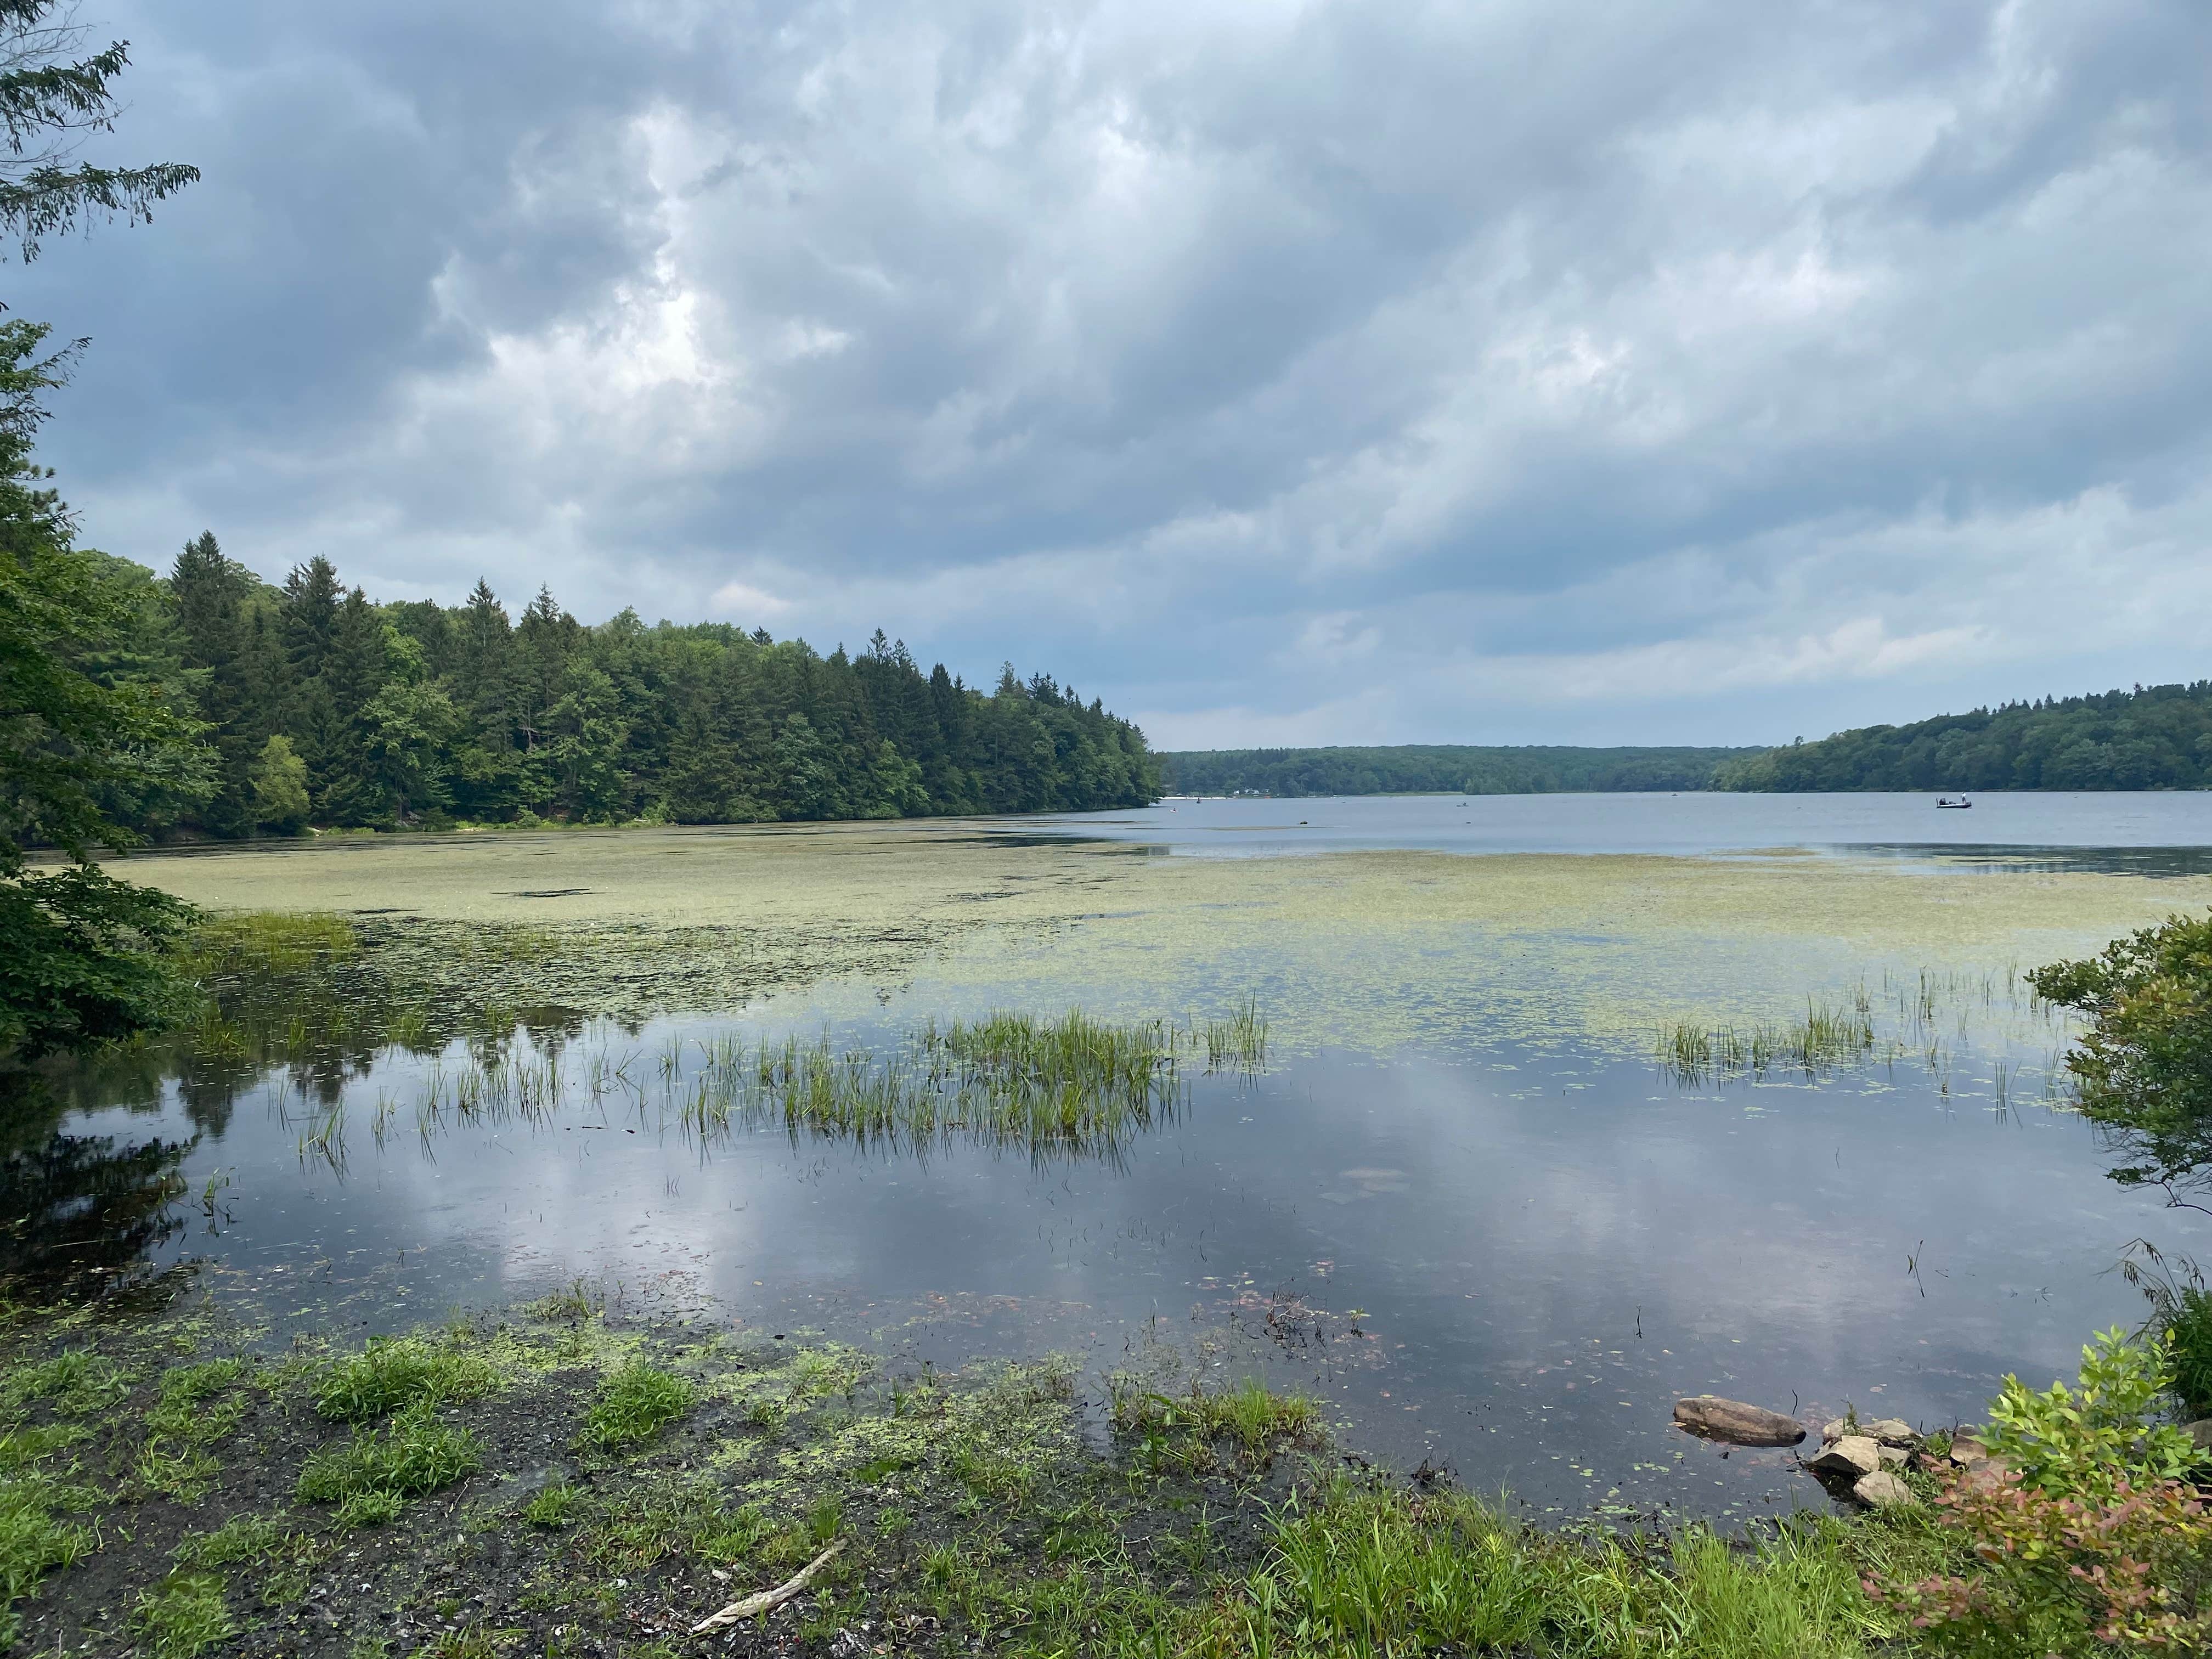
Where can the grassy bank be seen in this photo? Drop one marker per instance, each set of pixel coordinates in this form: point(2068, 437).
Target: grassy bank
point(548, 1483)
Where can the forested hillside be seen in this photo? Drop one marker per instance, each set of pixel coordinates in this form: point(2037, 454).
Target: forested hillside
point(322, 707)
point(2157, 737)
point(1420, 768)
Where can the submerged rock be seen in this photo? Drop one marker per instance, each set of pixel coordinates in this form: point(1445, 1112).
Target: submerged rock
point(1882, 1489)
point(1854, 1455)
point(1716, 1419)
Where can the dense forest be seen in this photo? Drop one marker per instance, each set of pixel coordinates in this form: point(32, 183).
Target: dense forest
point(2157, 737)
point(1426, 768)
point(318, 706)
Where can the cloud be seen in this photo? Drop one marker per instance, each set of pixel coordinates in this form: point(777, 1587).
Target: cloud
point(1699, 373)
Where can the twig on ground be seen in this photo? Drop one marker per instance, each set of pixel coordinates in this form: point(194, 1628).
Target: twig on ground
point(768, 1600)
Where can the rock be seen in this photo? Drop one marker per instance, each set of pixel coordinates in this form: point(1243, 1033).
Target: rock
point(1967, 1450)
point(1716, 1419)
point(1894, 1457)
point(1890, 1432)
point(2200, 1431)
point(1854, 1455)
point(1882, 1489)
point(1834, 1432)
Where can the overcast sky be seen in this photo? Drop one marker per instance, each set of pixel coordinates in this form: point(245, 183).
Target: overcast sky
point(1711, 371)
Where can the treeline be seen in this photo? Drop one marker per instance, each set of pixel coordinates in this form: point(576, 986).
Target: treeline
point(1437, 769)
point(318, 706)
point(2157, 737)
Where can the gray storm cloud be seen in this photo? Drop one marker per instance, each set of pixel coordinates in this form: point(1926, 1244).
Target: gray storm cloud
point(1321, 373)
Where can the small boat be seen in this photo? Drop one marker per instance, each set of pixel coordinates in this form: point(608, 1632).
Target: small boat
point(1945, 803)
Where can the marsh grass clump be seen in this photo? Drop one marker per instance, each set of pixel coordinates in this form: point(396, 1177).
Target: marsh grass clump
point(1240, 1041)
point(242, 1539)
point(397, 1373)
point(633, 1404)
point(368, 1476)
point(1828, 1037)
point(1074, 1083)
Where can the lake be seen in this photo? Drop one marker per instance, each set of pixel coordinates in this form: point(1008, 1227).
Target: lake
point(1464, 1199)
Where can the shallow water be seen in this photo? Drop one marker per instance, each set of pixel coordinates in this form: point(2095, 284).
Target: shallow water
point(1495, 1237)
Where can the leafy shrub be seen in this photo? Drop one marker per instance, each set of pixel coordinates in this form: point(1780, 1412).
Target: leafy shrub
point(2067, 1575)
point(2085, 1442)
point(2090, 1538)
point(633, 1404)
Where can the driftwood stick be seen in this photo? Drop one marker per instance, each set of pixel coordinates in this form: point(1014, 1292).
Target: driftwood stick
point(768, 1600)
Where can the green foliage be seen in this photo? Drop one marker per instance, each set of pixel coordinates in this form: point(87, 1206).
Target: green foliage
point(635, 1403)
point(400, 1373)
point(182, 1614)
point(1440, 769)
point(75, 1382)
point(413, 1452)
point(2085, 1442)
point(279, 781)
point(411, 714)
point(83, 960)
point(2143, 1068)
point(2156, 737)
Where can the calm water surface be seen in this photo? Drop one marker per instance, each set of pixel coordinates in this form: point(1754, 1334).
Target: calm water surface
point(1506, 1257)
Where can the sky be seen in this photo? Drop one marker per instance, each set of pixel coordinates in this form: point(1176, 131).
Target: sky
point(1711, 371)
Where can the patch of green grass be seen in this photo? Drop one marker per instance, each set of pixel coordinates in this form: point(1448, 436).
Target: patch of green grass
point(412, 1454)
point(75, 1383)
point(33, 1539)
point(633, 1404)
point(242, 1538)
point(557, 1506)
point(198, 1403)
point(474, 1643)
point(1248, 1414)
point(676, 1517)
point(181, 1472)
point(395, 1373)
point(182, 1614)
point(21, 1449)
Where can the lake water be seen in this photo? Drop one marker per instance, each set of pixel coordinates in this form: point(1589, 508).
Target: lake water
point(1501, 1253)
point(2153, 833)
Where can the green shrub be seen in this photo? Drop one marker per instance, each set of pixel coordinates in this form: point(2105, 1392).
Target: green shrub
point(2083, 1443)
point(633, 1404)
